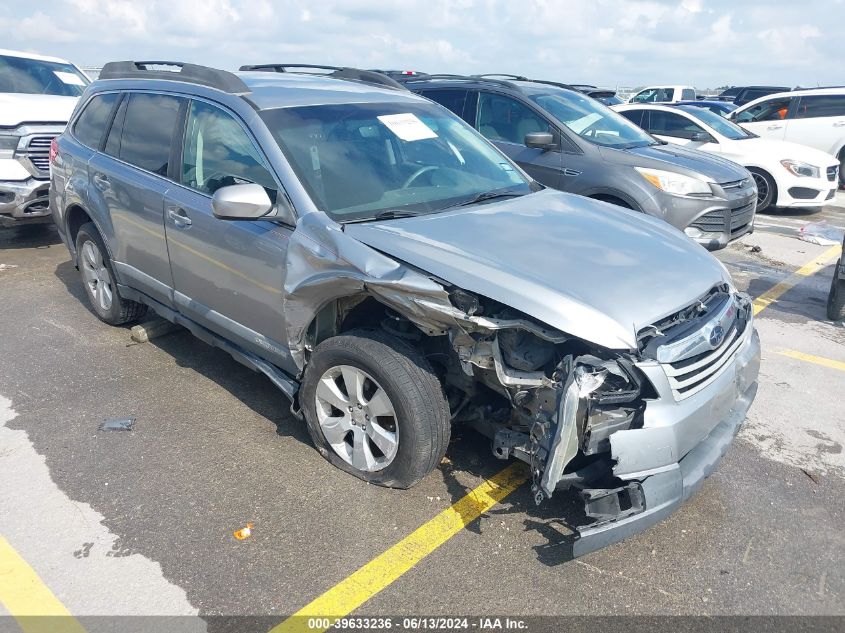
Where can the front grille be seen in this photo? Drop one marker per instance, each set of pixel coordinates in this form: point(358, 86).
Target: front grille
point(38, 153)
point(734, 184)
point(715, 221)
point(831, 173)
point(689, 376)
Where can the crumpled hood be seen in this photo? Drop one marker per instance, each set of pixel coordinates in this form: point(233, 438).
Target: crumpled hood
point(588, 268)
point(671, 157)
point(18, 108)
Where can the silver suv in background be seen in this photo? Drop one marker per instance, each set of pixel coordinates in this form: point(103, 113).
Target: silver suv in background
point(394, 274)
point(569, 141)
point(37, 96)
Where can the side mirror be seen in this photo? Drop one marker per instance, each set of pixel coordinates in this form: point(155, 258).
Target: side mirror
point(701, 137)
point(241, 202)
point(539, 140)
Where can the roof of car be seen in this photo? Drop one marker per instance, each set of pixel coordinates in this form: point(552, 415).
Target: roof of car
point(42, 58)
point(277, 90)
point(263, 89)
point(707, 102)
point(520, 84)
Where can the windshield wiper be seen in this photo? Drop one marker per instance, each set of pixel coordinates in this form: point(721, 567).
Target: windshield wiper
point(487, 195)
point(388, 214)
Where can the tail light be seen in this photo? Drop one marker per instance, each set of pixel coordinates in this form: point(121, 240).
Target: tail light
point(54, 151)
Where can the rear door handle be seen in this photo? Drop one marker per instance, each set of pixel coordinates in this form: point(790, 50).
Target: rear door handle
point(179, 217)
point(101, 181)
point(774, 127)
point(839, 124)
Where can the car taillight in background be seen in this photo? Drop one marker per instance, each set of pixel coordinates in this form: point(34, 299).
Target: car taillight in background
point(54, 151)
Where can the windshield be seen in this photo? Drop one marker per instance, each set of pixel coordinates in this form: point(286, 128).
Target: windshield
point(591, 120)
point(360, 161)
point(719, 123)
point(35, 77)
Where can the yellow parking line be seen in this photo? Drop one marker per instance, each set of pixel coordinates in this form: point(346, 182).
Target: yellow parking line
point(366, 582)
point(810, 268)
point(818, 360)
point(28, 599)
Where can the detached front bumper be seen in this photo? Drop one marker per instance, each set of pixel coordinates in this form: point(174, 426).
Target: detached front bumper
point(663, 463)
point(24, 201)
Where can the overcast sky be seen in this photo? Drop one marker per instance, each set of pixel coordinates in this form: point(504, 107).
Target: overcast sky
point(706, 43)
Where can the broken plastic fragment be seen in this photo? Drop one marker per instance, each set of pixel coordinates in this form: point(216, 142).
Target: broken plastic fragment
point(244, 532)
point(117, 424)
point(820, 233)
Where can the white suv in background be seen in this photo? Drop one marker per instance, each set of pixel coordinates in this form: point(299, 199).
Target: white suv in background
point(786, 174)
point(37, 96)
point(664, 94)
point(813, 117)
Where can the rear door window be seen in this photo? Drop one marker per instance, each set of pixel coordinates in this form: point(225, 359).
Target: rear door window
point(813, 106)
point(688, 94)
point(91, 124)
point(501, 118)
point(148, 129)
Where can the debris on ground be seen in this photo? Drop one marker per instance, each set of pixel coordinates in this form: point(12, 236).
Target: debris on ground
point(243, 533)
point(821, 233)
point(812, 475)
point(117, 424)
point(7, 266)
point(756, 248)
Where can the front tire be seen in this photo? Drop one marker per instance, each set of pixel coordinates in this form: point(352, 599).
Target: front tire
point(836, 298)
point(98, 278)
point(766, 188)
point(375, 408)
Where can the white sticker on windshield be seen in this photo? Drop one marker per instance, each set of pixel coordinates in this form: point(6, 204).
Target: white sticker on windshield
point(407, 126)
point(69, 78)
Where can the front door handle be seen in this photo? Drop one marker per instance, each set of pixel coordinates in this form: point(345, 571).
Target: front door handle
point(839, 124)
point(774, 127)
point(179, 217)
point(101, 181)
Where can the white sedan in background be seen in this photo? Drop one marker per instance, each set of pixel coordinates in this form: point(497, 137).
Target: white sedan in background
point(786, 174)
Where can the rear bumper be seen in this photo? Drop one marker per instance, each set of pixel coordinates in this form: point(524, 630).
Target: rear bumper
point(24, 201)
point(649, 461)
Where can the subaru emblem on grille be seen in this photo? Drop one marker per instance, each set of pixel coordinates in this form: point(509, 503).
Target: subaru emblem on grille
point(716, 336)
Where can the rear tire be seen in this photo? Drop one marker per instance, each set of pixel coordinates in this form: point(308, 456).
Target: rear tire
point(836, 298)
point(98, 279)
point(407, 434)
point(767, 190)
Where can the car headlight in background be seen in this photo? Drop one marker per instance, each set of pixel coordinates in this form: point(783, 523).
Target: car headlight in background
point(8, 145)
point(797, 168)
point(677, 184)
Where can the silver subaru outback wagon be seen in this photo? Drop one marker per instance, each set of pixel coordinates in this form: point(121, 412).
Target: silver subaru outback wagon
point(395, 275)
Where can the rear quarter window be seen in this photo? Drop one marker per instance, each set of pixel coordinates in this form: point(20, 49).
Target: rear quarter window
point(91, 124)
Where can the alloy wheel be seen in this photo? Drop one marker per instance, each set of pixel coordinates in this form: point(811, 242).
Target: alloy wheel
point(96, 276)
point(357, 418)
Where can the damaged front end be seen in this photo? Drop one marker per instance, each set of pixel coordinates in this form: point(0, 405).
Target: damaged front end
point(632, 432)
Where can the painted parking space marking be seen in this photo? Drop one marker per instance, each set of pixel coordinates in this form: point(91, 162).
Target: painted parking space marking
point(810, 358)
point(810, 268)
point(379, 573)
point(25, 596)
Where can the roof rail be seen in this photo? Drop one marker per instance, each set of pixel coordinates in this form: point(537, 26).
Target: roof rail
point(338, 72)
point(501, 82)
point(189, 73)
point(502, 76)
